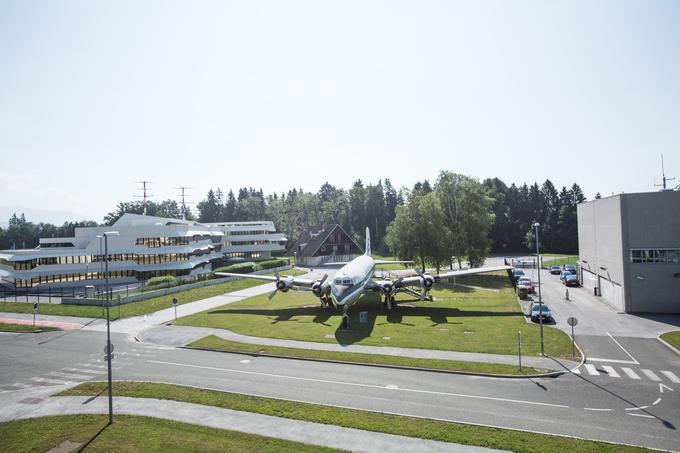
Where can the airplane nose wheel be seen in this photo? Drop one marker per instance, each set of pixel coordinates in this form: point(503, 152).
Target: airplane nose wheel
point(345, 317)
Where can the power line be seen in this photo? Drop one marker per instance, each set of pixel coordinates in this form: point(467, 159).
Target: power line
point(145, 194)
point(663, 174)
point(183, 195)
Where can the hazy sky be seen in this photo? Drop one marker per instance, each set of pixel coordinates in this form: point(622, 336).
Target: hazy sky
point(95, 95)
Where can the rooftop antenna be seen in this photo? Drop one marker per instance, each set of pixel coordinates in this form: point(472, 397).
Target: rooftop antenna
point(183, 195)
point(145, 192)
point(664, 179)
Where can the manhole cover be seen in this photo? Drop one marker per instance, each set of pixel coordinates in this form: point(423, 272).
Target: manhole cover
point(31, 400)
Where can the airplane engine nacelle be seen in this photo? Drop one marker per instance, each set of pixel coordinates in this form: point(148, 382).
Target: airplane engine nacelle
point(427, 281)
point(387, 287)
point(317, 289)
point(282, 286)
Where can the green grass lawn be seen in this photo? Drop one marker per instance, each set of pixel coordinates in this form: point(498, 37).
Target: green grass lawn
point(370, 421)
point(134, 434)
point(551, 259)
point(138, 308)
point(460, 319)
point(7, 327)
point(672, 338)
point(215, 343)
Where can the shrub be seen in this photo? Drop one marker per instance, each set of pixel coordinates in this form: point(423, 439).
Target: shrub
point(162, 280)
point(238, 268)
point(271, 263)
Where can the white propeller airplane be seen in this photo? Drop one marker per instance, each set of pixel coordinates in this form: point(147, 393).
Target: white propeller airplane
point(356, 276)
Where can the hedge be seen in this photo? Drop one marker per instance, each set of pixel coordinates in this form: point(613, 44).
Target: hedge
point(271, 263)
point(168, 280)
point(238, 268)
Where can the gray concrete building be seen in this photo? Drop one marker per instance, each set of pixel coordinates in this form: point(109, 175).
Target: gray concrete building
point(629, 250)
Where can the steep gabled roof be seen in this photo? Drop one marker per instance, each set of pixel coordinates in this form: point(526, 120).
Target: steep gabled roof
point(313, 238)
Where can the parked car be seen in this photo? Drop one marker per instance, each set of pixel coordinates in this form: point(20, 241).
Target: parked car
point(570, 279)
point(517, 273)
point(563, 275)
point(525, 282)
point(540, 311)
point(555, 270)
point(570, 268)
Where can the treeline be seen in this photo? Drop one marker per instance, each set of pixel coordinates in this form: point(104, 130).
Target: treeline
point(21, 233)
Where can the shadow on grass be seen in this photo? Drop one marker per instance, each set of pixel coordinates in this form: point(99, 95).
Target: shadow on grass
point(93, 438)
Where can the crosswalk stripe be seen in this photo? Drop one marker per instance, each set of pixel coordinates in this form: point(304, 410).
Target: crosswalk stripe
point(21, 386)
point(69, 375)
point(591, 369)
point(576, 371)
point(650, 374)
point(48, 381)
point(81, 370)
point(91, 365)
point(630, 373)
point(610, 371)
point(670, 375)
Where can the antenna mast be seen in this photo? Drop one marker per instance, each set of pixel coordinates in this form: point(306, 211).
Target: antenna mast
point(183, 195)
point(663, 174)
point(145, 193)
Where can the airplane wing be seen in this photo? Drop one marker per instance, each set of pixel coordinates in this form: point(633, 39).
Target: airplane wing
point(290, 281)
point(392, 262)
point(435, 278)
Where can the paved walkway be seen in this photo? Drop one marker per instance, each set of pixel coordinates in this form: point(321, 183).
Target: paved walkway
point(37, 403)
point(41, 323)
point(182, 335)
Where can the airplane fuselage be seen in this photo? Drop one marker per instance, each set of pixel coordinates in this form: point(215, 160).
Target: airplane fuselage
point(350, 281)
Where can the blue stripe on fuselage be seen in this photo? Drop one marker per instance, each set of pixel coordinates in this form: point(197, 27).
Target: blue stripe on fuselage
point(347, 294)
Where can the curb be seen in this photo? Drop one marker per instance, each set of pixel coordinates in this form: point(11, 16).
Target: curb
point(551, 374)
point(670, 346)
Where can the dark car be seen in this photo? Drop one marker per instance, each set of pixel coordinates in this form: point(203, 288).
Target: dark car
point(563, 275)
point(517, 273)
point(540, 311)
point(570, 268)
point(570, 279)
point(555, 270)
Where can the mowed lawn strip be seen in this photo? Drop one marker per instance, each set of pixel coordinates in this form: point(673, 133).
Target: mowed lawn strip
point(130, 433)
point(672, 338)
point(215, 343)
point(142, 307)
point(460, 319)
point(352, 418)
point(8, 327)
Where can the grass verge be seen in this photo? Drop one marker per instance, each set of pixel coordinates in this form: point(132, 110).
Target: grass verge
point(672, 338)
point(130, 433)
point(370, 421)
point(8, 327)
point(138, 308)
point(215, 343)
point(460, 319)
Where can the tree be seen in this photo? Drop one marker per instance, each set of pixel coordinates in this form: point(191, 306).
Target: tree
point(208, 209)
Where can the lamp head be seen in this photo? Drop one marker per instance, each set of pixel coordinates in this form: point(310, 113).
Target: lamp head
point(536, 225)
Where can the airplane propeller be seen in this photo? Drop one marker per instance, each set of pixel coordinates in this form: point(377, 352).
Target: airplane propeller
point(280, 285)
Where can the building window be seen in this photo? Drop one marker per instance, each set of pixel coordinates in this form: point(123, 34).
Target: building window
point(668, 256)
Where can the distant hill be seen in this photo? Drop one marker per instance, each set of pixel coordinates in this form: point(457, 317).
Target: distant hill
point(39, 215)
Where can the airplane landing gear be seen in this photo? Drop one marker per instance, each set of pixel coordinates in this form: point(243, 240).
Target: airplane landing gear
point(344, 325)
point(392, 302)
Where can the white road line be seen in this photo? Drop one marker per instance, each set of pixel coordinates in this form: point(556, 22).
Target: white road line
point(81, 370)
point(650, 374)
point(642, 415)
point(59, 374)
point(624, 349)
point(576, 371)
point(656, 402)
point(671, 376)
point(630, 373)
point(636, 408)
point(382, 387)
point(49, 381)
point(629, 362)
point(91, 365)
point(21, 386)
point(596, 409)
point(610, 371)
point(591, 369)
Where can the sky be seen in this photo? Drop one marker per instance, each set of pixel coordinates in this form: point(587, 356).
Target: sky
point(280, 94)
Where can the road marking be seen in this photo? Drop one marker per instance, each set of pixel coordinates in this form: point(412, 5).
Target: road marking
point(631, 374)
point(624, 349)
point(662, 386)
point(576, 371)
point(670, 375)
point(325, 381)
point(245, 361)
point(642, 415)
point(91, 365)
point(81, 370)
point(21, 386)
point(392, 387)
point(591, 369)
point(656, 402)
point(610, 371)
point(629, 362)
point(49, 381)
point(59, 374)
point(636, 408)
point(650, 374)
point(596, 409)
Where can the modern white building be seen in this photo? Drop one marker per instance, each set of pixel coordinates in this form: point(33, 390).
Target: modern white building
point(144, 247)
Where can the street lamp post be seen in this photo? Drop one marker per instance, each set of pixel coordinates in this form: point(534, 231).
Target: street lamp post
point(540, 300)
point(109, 349)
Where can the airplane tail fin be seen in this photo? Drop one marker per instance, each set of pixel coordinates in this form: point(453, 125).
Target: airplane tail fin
point(368, 241)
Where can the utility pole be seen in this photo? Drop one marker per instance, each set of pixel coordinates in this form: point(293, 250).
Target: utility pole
point(540, 300)
point(145, 194)
point(183, 195)
point(663, 176)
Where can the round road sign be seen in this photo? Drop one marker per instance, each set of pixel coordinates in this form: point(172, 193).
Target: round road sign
point(572, 321)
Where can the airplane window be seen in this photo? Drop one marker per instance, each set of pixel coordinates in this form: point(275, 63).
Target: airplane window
point(338, 281)
point(347, 281)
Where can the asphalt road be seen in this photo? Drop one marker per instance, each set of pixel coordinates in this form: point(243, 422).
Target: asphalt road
point(597, 407)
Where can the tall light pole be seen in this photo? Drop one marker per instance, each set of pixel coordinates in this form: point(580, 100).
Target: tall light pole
point(540, 300)
point(109, 349)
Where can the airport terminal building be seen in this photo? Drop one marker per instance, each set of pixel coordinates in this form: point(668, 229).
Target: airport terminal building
point(145, 247)
point(629, 250)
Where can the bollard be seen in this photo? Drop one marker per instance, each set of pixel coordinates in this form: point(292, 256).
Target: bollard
point(566, 294)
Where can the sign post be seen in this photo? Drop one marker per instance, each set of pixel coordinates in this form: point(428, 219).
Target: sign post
point(572, 322)
point(35, 311)
point(519, 342)
point(174, 303)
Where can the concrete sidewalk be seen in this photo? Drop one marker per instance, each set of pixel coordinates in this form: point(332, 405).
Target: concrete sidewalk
point(182, 335)
point(50, 319)
point(37, 403)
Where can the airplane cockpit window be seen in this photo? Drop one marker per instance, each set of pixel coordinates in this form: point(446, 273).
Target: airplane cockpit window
point(347, 282)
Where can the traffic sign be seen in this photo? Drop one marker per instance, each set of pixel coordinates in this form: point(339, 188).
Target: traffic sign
point(572, 321)
point(106, 357)
point(35, 308)
point(174, 301)
point(106, 349)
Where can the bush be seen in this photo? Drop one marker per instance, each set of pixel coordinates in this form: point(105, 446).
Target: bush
point(238, 268)
point(271, 263)
point(163, 280)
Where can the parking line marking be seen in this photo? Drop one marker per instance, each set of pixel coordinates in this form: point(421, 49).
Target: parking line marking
point(576, 371)
point(624, 349)
point(629, 362)
point(656, 402)
point(642, 415)
point(49, 381)
point(596, 409)
point(59, 374)
point(650, 374)
point(21, 386)
point(382, 387)
point(610, 371)
point(631, 374)
point(670, 375)
point(81, 370)
point(639, 408)
point(591, 369)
